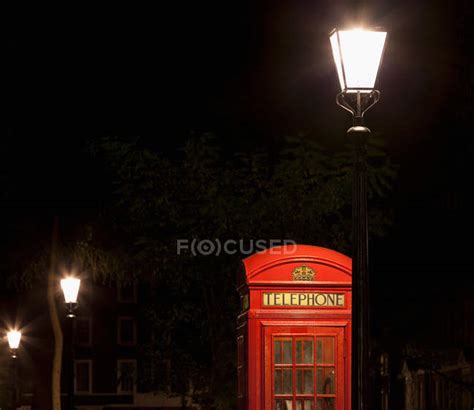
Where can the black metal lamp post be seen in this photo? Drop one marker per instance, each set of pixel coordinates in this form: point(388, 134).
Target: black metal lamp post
point(70, 287)
point(358, 54)
point(14, 338)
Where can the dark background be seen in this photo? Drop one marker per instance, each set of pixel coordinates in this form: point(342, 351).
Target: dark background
point(250, 72)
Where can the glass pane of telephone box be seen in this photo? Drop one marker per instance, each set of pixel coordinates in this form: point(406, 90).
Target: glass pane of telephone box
point(304, 351)
point(325, 350)
point(282, 351)
point(326, 403)
point(306, 404)
point(287, 353)
point(283, 404)
point(283, 381)
point(287, 381)
point(326, 380)
point(278, 380)
point(277, 351)
point(304, 381)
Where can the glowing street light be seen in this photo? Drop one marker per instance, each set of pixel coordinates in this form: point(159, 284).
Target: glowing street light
point(14, 338)
point(358, 56)
point(70, 287)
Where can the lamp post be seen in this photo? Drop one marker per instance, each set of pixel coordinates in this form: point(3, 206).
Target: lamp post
point(14, 338)
point(358, 54)
point(70, 287)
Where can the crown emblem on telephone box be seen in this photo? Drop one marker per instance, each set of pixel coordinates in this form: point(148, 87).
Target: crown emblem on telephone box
point(302, 273)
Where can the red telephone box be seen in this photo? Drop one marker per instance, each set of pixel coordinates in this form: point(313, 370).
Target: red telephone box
point(294, 331)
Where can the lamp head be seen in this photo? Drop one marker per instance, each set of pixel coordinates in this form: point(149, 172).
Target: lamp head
point(358, 55)
point(14, 338)
point(70, 287)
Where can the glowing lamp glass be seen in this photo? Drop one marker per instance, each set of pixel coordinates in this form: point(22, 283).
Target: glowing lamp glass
point(70, 287)
point(357, 54)
point(14, 339)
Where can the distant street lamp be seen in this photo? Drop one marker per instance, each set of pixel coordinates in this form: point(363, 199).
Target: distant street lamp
point(70, 287)
point(14, 338)
point(358, 55)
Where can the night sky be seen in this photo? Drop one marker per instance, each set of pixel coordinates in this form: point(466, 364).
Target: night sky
point(250, 72)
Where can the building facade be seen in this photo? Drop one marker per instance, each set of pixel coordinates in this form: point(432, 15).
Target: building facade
point(105, 346)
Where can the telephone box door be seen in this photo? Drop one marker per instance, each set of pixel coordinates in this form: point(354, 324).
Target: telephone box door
point(304, 367)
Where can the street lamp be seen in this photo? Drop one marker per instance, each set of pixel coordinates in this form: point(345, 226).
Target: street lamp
point(14, 337)
point(358, 55)
point(70, 287)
